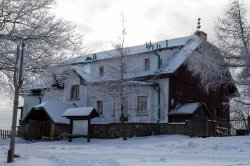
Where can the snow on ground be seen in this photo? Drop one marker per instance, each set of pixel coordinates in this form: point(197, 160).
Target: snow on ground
point(175, 150)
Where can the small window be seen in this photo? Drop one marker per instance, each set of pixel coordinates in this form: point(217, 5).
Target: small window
point(141, 104)
point(99, 107)
point(101, 71)
point(146, 64)
point(74, 93)
point(113, 107)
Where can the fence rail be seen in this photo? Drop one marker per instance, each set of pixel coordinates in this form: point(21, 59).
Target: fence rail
point(7, 133)
point(220, 127)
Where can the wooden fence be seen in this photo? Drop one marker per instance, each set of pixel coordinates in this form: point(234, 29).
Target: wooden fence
point(220, 127)
point(7, 133)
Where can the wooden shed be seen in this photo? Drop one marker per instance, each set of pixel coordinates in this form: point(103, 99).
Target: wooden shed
point(189, 111)
point(45, 120)
point(197, 116)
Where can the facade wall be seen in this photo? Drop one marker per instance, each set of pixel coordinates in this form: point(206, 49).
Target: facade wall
point(134, 64)
point(74, 80)
point(111, 105)
point(185, 88)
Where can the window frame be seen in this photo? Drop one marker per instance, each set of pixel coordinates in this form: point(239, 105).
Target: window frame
point(99, 107)
point(74, 92)
point(101, 71)
point(146, 64)
point(142, 104)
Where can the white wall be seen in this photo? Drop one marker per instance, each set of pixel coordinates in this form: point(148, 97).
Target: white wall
point(53, 95)
point(113, 103)
point(75, 80)
point(29, 102)
point(89, 95)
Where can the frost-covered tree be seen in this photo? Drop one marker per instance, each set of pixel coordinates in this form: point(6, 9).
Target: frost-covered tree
point(211, 63)
point(240, 112)
point(44, 40)
point(116, 79)
point(233, 34)
point(207, 64)
point(47, 38)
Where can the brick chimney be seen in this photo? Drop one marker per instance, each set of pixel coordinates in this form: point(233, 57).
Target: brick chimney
point(201, 34)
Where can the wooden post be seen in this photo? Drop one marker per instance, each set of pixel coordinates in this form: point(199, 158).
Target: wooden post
point(248, 123)
point(71, 130)
point(88, 136)
point(52, 131)
point(18, 81)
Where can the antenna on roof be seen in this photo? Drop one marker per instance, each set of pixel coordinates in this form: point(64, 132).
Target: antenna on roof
point(198, 27)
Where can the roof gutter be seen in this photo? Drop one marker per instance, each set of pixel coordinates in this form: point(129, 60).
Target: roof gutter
point(158, 89)
point(159, 59)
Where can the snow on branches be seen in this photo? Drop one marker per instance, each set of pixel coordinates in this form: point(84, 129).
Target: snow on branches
point(48, 39)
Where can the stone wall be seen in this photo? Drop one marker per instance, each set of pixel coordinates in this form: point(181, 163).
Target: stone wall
point(60, 130)
point(114, 130)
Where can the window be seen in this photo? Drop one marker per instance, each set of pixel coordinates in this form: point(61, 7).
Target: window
point(74, 93)
point(101, 71)
point(113, 107)
point(141, 104)
point(146, 64)
point(99, 107)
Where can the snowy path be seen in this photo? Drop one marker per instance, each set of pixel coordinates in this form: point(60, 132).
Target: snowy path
point(147, 151)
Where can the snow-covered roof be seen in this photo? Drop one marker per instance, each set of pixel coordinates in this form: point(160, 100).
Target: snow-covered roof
point(80, 111)
point(82, 73)
point(54, 109)
point(186, 109)
point(176, 60)
point(165, 44)
point(41, 82)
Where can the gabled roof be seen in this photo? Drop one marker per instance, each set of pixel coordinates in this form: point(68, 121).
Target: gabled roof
point(165, 44)
point(186, 109)
point(81, 113)
point(82, 73)
point(54, 110)
point(183, 48)
point(176, 60)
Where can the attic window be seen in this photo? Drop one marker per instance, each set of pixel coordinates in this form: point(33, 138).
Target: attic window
point(146, 64)
point(101, 71)
point(74, 93)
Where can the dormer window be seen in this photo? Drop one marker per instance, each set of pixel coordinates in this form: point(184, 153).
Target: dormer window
point(146, 64)
point(101, 71)
point(74, 93)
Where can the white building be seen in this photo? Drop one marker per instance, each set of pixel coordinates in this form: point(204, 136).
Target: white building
point(95, 81)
